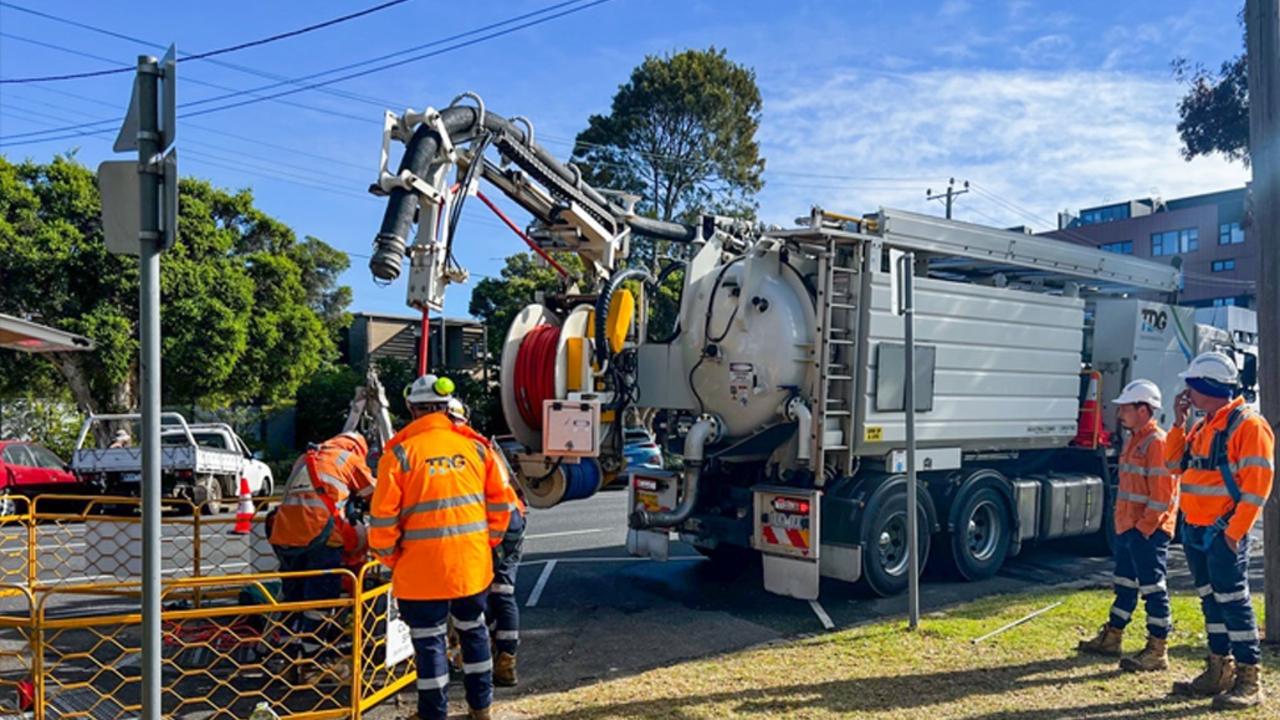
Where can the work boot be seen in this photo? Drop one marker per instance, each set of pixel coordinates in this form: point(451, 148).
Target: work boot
point(1155, 656)
point(473, 714)
point(1106, 642)
point(1216, 678)
point(1245, 693)
point(504, 670)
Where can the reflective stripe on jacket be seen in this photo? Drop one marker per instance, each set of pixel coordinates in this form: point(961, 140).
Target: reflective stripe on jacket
point(303, 514)
point(1250, 449)
point(442, 502)
point(1147, 495)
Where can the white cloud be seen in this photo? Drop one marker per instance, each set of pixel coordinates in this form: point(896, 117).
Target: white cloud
point(1040, 141)
point(1046, 50)
point(954, 8)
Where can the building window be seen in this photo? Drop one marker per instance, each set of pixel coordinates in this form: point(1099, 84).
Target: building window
point(1224, 302)
point(1121, 248)
point(1224, 265)
point(1106, 214)
point(1175, 242)
point(1230, 234)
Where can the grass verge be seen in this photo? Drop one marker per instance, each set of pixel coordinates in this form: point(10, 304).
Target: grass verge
point(880, 671)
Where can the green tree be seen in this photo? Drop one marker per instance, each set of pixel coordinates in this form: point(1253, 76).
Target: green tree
point(681, 134)
point(497, 301)
point(1214, 113)
point(249, 312)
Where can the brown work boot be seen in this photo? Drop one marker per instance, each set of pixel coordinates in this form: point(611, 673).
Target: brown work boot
point(504, 670)
point(1245, 693)
point(1106, 642)
point(1155, 656)
point(1216, 678)
point(474, 714)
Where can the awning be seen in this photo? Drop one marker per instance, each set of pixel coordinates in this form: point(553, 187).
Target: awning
point(24, 335)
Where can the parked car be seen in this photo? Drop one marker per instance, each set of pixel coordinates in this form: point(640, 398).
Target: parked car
point(29, 469)
point(641, 449)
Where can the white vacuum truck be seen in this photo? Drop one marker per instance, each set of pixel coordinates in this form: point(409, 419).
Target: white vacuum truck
point(781, 387)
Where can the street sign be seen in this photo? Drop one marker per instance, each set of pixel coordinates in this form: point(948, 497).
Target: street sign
point(127, 140)
point(118, 184)
point(169, 200)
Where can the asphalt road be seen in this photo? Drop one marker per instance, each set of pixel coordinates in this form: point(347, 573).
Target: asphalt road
point(591, 612)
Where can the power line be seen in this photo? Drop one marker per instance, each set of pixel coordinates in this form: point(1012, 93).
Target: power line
point(198, 56)
point(8, 140)
point(186, 79)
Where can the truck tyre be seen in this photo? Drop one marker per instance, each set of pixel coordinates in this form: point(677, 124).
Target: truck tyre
point(884, 542)
point(979, 544)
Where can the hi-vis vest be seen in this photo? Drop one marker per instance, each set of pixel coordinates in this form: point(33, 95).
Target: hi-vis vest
point(304, 518)
point(1147, 496)
point(442, 503)
point(1240, 457)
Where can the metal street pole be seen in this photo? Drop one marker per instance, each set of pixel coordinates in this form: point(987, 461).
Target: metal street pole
point(150, 177)
point(1262, 30)
point(907, 275)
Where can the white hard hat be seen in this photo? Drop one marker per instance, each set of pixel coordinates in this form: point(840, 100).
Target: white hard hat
point(1140, 391)
point(1212, 366)
point(428, 389)
point(457, 409)
point(122, 434)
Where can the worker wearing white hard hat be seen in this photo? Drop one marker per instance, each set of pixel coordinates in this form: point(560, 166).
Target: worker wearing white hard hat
point(1146, 511)
point(1226, 466)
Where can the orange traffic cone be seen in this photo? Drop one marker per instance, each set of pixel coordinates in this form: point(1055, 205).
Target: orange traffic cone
point(244, 511)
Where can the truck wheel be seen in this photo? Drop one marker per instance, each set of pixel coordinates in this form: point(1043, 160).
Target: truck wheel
point(979, 544)
point(884, 542)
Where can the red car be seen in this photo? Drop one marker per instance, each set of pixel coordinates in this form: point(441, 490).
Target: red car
point(30, 469)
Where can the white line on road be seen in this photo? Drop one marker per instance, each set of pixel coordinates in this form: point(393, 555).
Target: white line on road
point(61, 546)
point(566, 533)
point(542, 583)
point(605, 559)
point(823, 617)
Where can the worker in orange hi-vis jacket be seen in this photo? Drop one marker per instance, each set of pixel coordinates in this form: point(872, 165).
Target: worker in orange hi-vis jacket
point(1227, 473)
point(443, 502)
point(1146, 513)
point(310, 532)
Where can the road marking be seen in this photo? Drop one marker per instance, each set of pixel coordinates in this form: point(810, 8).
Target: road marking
point(823, 617)
point(605, 559)
point(566, 533)
point(61, 546)
point(542, 583)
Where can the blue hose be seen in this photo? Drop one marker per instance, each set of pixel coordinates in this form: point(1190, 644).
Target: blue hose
point(581, 480)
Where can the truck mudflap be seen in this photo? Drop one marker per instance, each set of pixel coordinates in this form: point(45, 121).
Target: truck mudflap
point(656, 491)
point(786, 531)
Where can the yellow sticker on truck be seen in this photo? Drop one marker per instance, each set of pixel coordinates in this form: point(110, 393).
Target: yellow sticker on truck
point(873, 433)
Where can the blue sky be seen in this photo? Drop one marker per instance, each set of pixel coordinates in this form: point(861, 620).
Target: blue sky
point(1043, 106)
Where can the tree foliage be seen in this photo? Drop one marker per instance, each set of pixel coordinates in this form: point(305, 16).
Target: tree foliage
point(1214, 113)
point(497, 301)
point(680, 134)
point(248, 311)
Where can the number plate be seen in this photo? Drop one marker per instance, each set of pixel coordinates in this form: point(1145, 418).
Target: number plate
point(788, 522)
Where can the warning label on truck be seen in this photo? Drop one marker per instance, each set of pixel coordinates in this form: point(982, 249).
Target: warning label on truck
point(873, 433)
point(742, 378)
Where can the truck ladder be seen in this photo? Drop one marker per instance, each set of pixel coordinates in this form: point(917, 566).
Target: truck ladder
point(835, 357)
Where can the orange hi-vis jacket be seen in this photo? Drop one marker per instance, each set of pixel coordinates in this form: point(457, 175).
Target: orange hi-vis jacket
point(1250, 448)
point(340, 470)
point(1147, 498)
point(442, 503)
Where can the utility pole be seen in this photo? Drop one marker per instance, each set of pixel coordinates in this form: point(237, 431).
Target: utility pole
point(1262, 24)
point(140, 217)
point(949, 195)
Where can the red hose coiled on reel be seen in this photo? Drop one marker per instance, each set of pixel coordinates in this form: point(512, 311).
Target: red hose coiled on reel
point(535, 373)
